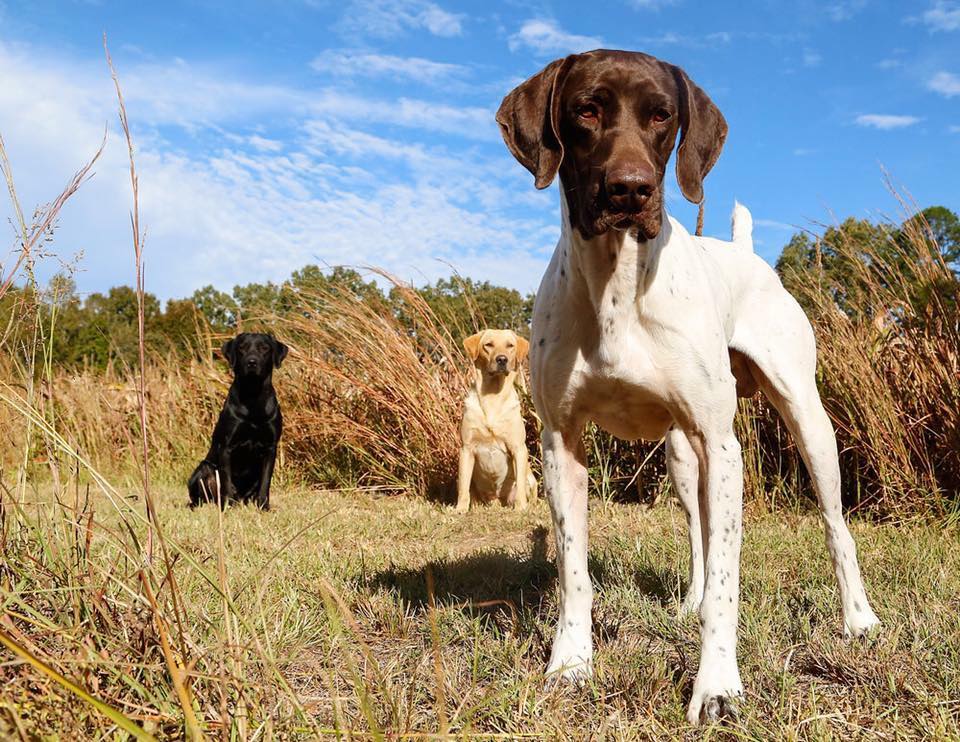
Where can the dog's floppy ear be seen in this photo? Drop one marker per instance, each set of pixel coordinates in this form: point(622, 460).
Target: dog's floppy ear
point(702, 132)
point(472, 345)
point(529, 120)
point(229, 351)
point(279, 352)
point(523, 348)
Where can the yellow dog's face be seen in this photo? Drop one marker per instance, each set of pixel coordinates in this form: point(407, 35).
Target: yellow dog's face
point(496, 352)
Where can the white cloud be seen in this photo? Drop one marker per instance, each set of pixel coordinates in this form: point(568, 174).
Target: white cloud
point(945, 83)
point(954, 129)
point(652, 4)
point(803, 152)
point(545, 37)
point(943, 16)
point(470, 122)
point(811, 58)
point(845, 9)
point(889, 64)
point(886, 122)
point(389, 18)
point(365, 64)
point(773, 224)
point(226, 199)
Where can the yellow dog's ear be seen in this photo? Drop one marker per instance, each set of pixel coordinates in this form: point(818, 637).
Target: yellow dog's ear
point(472, 345)
point(523, 348)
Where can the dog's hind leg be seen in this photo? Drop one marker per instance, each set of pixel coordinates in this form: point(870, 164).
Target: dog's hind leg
point(786, 374)
point(203, 485)
point(682, 467)
point(810, 426)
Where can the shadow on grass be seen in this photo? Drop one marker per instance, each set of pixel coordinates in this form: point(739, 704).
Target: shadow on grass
point(517, 585)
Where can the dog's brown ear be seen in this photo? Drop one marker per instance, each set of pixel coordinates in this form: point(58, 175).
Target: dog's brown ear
point(529, 120)
point(523, 349)
point(702, 133)
point(229, 351)
point(472, 345)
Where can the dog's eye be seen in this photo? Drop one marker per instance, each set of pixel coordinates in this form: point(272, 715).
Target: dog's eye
point(587, 112)
point(661, 115)
point(488, 345)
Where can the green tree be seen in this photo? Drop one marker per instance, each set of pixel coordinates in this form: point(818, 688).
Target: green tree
point(256, 300)
point(463, 306)
point(218, 308)
point(849, 263)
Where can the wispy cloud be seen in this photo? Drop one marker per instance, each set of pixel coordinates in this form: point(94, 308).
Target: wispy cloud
point(811, 58)
point(469, 122)
point(954, 129)
point(652, 4)
point(845, 9)
point(886, 122)
point(803, 152)
point(544, 37)
point(773, 224)
point(671, 38)
point(945, 83)
point(337, 185)
point(889, 64)
point(342, 63)
point(943, 16)
point(390, 18)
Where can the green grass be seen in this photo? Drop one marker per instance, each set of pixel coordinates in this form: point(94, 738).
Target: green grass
point(361, 657)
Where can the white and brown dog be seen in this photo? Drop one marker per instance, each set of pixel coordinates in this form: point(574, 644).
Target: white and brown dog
point(493, 445)
point(650, 333)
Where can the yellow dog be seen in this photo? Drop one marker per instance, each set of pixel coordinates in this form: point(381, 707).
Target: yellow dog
point(493, 451)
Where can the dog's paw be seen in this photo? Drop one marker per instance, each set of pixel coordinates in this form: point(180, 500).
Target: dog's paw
point(572, 657)
point(461, 509)
point(713, 708)
point(691, 604)
point(861, 624)
point(574, 671)
point(715, 693)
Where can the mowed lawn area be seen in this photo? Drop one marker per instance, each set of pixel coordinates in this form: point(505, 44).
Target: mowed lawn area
point(331, 611)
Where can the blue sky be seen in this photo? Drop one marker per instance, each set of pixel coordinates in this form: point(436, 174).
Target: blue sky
point(275, 134)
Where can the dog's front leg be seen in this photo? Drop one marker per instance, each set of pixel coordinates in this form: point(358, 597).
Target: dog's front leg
point(464, 476)
point(263, 493)
point(227, 491)
point(521, 466)
point(721, 503)
point(565, 479)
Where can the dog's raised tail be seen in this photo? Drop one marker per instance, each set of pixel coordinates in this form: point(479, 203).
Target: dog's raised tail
point(742, 226)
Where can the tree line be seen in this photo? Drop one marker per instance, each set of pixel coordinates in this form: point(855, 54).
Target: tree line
point(101, 328)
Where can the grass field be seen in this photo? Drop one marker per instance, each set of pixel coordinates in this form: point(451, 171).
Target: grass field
point(331, 626)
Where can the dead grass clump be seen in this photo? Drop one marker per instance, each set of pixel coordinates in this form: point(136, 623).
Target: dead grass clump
point(889, 368)
point(373, 404)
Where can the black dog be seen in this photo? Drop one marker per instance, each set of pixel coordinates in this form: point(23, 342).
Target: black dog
point(239, 465)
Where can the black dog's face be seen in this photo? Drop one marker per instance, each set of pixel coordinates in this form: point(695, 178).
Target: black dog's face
point(254, 355)
point(608, 121)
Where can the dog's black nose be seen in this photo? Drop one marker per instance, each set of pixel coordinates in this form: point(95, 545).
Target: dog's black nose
point(501, 360)
point(628, 188)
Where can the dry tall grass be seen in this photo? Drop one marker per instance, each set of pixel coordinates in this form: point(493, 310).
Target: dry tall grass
point(375, 404)
point(890, 371)
point(369, 403)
